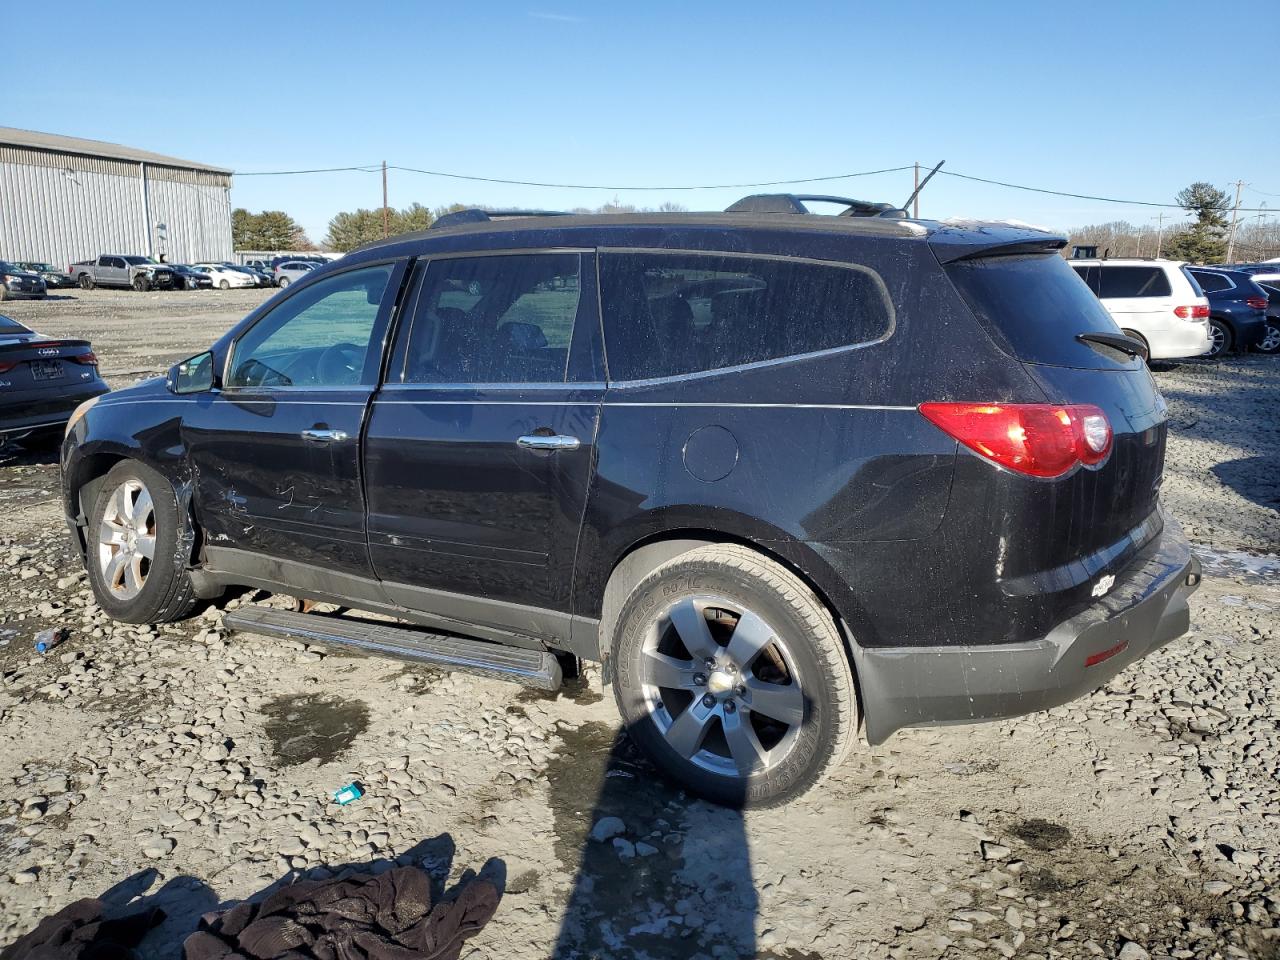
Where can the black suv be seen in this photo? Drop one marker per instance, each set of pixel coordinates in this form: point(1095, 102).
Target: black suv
point(783, 474)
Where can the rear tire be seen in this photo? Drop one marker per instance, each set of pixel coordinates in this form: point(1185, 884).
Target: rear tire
point(86, 282)
point(732, 677)
point(136, 513)
point(1271, 340)
point(1220, 333)
point(284, 282)
point(4, 293)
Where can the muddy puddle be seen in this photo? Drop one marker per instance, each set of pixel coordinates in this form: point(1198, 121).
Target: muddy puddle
point(307, 727)
point(1239, 565)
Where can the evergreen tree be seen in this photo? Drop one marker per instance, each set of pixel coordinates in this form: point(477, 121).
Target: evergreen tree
point(1204, 241)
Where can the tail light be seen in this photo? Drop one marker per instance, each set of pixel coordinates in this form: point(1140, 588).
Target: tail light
point(89, 359)
point(1257, 303)
point(1036, 439)
point(7, 365)
point(1192, 313)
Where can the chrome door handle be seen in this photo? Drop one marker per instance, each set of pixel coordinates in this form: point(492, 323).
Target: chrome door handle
point(324, 436)
point(557, 442)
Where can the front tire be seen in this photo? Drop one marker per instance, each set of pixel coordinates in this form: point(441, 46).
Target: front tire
point(224, 285)
point(135, 567)
point(141, 284)
point(1220, 334)
point(732, 677)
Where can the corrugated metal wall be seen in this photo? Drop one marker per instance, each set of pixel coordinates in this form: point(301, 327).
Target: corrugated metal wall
point(62, 208)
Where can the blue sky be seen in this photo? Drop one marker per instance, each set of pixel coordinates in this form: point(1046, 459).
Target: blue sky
point(1091, 98)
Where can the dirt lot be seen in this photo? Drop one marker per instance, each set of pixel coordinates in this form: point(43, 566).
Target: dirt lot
point(194, 768)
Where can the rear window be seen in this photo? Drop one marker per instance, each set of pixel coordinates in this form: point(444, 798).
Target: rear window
point(1210, 282)
point(1120, 282)
point(1038, 305)
point(673, 313)
point(9, 325)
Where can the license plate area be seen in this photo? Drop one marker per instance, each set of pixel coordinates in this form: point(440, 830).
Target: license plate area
point(46, 369)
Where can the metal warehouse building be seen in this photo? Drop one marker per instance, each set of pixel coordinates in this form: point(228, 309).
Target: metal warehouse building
point(63, 199)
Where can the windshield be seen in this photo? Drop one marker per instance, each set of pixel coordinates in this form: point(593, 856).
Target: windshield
point(136, 261)
point(7, 267)
point(1039, 306)
point(38, 267)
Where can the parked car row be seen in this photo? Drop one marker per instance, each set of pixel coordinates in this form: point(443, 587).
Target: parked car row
point(1175, 310)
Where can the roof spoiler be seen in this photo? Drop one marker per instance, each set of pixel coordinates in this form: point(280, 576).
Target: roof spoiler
point(977, 240)
point(795, 203)
point(476, 215)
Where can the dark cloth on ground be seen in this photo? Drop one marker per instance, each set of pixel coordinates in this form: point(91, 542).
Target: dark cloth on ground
point(350, 917)
point(81, 931)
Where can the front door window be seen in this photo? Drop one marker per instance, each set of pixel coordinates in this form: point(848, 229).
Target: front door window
point(319, 337)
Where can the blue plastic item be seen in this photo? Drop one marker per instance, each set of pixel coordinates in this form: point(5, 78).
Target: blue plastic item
point(348, 794)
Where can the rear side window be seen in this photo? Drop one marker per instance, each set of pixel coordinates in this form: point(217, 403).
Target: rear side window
point(1210, 282)
point(668, 314)
point(1038, 305)
point(1120, 282)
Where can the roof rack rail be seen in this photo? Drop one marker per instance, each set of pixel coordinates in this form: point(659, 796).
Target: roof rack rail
point(476, 215)
point(795, 203)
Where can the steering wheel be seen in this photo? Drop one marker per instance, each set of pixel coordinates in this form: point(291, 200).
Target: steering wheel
point(340, 364)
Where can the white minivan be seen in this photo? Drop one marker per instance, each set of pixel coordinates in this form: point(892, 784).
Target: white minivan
point(1155, 301)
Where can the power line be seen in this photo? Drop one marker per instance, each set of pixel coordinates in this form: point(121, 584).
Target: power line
point(368, 168)
point(597, 186)
point(1076, 196)
point(375, 168)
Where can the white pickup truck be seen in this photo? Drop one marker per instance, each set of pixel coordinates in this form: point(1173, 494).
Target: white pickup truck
point(112, 270)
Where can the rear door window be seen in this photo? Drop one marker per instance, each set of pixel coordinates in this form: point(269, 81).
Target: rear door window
point(673, 313)
point(1118, 283)
point(494, 319)
point(1038, 306)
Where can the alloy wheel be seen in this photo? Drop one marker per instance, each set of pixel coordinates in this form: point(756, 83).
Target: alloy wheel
point(1219, 338)
point(127, 540)
point(1271, 342)
point(721, 686)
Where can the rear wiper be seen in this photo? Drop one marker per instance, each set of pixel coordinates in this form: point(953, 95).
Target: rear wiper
point(1117, 341)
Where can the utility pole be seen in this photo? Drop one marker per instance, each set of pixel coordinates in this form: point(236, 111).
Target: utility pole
point(387, 229)
point(1159, 234)
point(915, 204)
point(1138, 255)
point(1235, 213)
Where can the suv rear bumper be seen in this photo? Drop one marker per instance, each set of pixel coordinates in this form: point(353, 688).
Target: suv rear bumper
point(928, 686)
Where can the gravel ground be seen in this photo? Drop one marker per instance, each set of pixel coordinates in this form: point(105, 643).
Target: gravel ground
point(194, 768)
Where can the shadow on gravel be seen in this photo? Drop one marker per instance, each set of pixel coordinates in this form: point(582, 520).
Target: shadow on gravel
point(661, 875)
point(1254, 478)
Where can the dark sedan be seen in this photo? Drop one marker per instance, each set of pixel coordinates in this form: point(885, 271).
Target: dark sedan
point(42, 381)
point(16, 282)
point(188, 278)
point(1237, 309)
point(53, 277)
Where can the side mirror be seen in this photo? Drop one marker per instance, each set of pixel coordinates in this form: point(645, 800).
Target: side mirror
point(193, 375)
